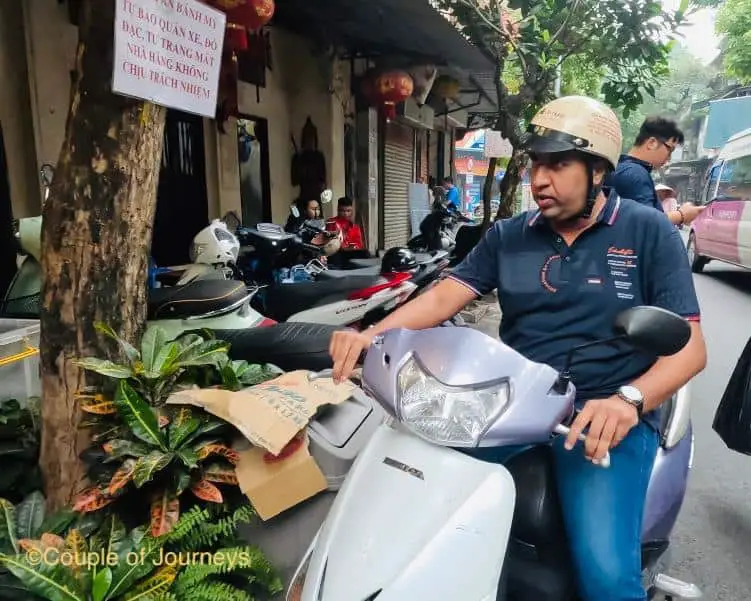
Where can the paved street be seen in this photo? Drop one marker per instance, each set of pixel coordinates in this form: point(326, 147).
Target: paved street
point(712, 543)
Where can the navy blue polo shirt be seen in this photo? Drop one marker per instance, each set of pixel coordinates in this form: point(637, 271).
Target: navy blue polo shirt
point(633, 179)
point(554, 296)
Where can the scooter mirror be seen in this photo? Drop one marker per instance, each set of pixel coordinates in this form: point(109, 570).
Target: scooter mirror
point(327, 196)
point(653, 330)
point(294, 210)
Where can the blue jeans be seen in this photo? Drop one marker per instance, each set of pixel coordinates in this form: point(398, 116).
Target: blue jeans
point(603, 510)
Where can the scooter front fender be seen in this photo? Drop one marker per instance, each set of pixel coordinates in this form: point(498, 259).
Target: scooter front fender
point(413, 521)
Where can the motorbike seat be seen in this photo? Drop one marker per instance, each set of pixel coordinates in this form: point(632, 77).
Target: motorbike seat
point(289, 346)
point(197, 298)
point(282, 301)
point(335, 274)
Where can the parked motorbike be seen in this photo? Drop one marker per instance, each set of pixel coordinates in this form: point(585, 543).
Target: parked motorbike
point(413, 510)
point(214, 304)
point(438, 229)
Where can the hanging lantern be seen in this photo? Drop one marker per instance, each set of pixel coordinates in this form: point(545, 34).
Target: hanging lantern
point(446, 88)
point(235, 38)
point(391, 88)
point(252, 14)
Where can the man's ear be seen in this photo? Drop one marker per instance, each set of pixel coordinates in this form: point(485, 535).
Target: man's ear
point(599, 172)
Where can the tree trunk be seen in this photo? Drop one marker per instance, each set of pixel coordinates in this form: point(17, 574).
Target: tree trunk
point(510, 185)
point(487, 191)
point(96, 237)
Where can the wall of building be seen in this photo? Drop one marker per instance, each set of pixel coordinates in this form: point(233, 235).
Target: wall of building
point(300, 85)
point(15, 113)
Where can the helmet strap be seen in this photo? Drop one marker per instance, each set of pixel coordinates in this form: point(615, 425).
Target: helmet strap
point(593, 191)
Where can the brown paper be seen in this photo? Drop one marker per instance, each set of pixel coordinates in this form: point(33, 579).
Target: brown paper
point(274, 487)
point(269, 414)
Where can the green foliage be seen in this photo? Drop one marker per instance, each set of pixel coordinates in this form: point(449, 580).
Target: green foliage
point(19, 448)
point(24, 522)
point(157, 367)
point(734, 21)
point(146, 453)
point(190, 563)
point(688, 82)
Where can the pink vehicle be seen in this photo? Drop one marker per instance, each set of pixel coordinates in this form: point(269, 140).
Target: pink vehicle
point(723, 230)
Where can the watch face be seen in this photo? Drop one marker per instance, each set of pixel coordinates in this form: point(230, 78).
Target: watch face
point(632, 393)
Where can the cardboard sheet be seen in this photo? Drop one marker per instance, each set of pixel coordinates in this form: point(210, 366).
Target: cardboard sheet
point(273, 487)
point(270, 416)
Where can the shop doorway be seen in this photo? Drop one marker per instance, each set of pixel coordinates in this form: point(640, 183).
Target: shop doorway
point(253, 160)
point(7, 240)
point(182, 208)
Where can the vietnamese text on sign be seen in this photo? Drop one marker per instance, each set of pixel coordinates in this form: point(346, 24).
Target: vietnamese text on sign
point(169, 52)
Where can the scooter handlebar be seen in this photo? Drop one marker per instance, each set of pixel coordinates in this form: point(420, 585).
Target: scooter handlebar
point(565, 430)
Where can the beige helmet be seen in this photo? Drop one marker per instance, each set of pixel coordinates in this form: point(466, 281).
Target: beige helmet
point(576, 123)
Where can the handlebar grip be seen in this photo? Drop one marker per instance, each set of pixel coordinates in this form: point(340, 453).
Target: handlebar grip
point(565, 430)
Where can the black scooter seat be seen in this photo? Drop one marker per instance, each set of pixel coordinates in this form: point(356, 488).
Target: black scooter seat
point(195, 299)
point(289, 346)
point(337, 274)
point(282, 301)
point(421, 258)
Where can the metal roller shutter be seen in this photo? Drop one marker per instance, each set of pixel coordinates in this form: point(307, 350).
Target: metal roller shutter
point(399, 172)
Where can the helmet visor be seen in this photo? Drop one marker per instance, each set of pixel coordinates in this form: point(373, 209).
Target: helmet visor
point(541, 140)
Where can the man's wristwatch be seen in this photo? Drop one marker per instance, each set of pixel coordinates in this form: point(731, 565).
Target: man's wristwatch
point(633, 397)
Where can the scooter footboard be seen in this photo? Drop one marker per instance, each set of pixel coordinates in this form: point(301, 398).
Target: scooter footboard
point(412, 521)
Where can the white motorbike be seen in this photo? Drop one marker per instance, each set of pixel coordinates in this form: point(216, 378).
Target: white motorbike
point(418, 520)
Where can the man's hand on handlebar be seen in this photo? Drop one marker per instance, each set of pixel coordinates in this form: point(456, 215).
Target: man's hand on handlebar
point(346, 348)
point(609, 421)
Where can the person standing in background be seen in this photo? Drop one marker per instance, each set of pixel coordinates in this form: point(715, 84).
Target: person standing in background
point(452, 193)
point(667, 197)
point(654, 145)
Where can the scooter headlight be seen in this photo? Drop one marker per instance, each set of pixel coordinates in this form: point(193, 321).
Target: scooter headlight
point(454, 416)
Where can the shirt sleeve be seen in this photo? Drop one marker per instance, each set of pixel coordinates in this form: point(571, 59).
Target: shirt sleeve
point(480, 269)
point(670, 283)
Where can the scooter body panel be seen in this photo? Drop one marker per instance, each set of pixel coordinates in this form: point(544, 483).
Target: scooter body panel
point(239, 319)
point(346, 312)
point(408, 516)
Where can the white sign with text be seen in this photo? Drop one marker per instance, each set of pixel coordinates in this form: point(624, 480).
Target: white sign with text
point(169, 52)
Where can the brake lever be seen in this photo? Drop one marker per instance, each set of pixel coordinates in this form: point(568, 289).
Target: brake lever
point(565, 431)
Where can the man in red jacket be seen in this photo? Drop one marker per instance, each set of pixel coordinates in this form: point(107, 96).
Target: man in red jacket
point(345, 220)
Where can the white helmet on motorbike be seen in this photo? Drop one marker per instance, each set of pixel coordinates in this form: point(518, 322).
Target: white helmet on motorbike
point(215, 244)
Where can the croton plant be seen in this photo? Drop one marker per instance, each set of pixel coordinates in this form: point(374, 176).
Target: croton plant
point(147, 452)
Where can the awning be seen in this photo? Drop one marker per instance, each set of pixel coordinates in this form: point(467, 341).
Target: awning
point(411, 29)
point(727, 118)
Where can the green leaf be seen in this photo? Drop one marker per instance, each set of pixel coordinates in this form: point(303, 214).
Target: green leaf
point(201, 353)
point(139, 416)
point(181, 429)
point(58, 522)
point(30, 515)
point(152, 342)
point(52, 582)
point(8, 523)
point(182, 481)
point(128, 573)
point(147, 466)
point(130, 351)
point(105, 367)
point(163, 363)
point(111, 539)
point(118, 448)
point(210, 426)
point(189, 457)
point(101, 584)
point(230, 379)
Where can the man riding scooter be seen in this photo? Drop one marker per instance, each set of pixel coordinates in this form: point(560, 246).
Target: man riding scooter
point(563, 272)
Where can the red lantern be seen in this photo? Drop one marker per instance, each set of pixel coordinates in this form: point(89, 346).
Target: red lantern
point(235, 38)
point(391, 88)
point(253, 14)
